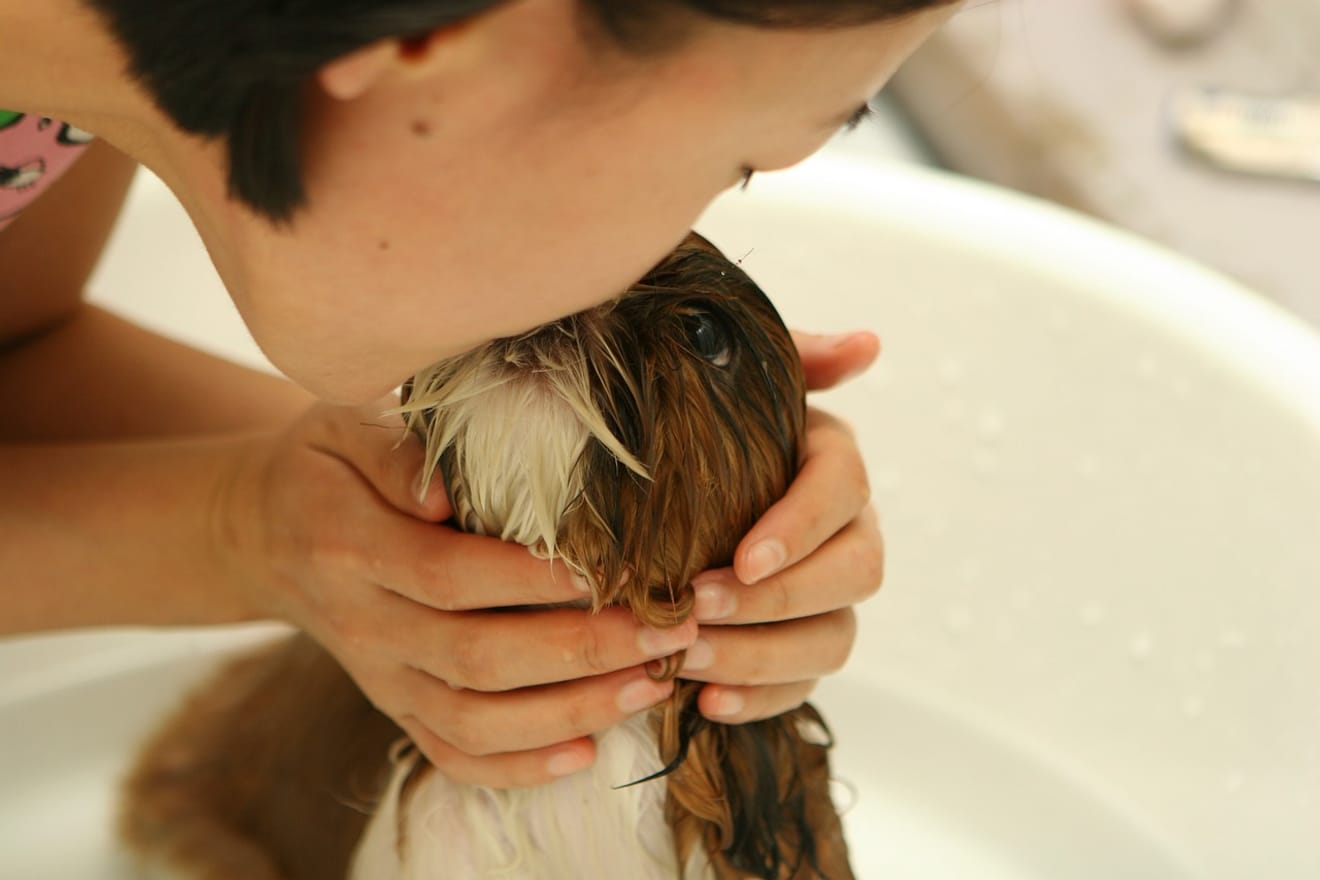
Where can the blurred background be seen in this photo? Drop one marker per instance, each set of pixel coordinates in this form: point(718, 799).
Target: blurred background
point(1194, 123)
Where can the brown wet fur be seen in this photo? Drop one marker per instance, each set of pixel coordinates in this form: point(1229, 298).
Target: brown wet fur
point(701, 809)
point(715, 469)
point(266, 773)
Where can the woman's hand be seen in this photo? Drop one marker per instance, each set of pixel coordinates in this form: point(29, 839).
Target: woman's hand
point(798, 573)
point(325, 530)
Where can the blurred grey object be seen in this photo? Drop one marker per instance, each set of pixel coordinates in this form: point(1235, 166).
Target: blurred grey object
point(1251, 134)
point(1203, 148)
point(1181, 22)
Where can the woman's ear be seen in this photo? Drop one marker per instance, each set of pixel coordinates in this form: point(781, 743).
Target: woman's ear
point(353, 75)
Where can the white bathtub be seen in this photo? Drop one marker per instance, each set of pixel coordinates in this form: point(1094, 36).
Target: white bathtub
point(1096, 652)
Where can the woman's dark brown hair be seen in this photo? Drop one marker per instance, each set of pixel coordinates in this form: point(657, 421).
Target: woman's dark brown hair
point(237, 69)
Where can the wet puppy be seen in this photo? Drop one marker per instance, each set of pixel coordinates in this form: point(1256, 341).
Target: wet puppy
point(636, 442)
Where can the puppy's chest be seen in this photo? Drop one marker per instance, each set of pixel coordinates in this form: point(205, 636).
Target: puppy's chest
point(591, 824)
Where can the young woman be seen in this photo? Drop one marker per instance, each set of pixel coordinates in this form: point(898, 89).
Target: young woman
point(383, 183)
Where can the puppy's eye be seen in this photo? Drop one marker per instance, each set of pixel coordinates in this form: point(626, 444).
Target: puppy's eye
point(708, 338)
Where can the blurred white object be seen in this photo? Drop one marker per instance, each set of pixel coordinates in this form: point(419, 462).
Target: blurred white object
point(1068, 100)
point(1181, 22)
point(1252, 134)
point(1099, 469)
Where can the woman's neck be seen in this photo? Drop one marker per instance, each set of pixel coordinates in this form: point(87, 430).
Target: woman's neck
point(57, 59)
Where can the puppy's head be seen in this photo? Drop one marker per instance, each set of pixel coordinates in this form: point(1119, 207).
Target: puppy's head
point(638, 441)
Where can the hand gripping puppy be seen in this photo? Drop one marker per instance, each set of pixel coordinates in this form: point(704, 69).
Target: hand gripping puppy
point(636, 442)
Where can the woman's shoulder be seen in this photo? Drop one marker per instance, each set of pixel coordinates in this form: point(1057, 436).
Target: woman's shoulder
point(34, 152)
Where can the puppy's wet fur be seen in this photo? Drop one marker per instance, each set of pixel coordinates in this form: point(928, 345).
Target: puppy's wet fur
point(636, 441)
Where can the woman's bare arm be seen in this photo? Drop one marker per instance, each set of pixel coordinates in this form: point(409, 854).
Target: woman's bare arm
point(70, 371)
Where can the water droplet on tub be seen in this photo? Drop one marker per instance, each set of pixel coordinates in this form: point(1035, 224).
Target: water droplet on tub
point(1233, 638)
point(985, 462)
point(1193, 706)
point(1147, 366)
point(887, 480)
point(1141, 647)
point(990, 426)
point(1088, 466)
point(951, 371)
point(1234, 782)
point(1092, 614)
point(958, 618)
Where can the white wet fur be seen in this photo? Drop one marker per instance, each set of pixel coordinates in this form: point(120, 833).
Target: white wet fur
point(519, 424)
point(575, 828)
point(519, 429)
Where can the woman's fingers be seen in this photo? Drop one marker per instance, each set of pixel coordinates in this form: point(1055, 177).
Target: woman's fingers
point(383, 454)
point(495, 651)
point(759, 671)
point(845, 570)
point(512, 770)
point(773, 654)
point(318, 522)
point(830, 490)
point(508, 697)
point(406, 551)
point(730, 704)
point(374, 541)
point(830, 360)
point(445, 569)
point(482, 724)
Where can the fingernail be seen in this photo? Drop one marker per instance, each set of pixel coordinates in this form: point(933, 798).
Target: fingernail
point(663, 642)
point(765, 559)
point(700, 656)
point(728, 703)
point(568, 762)
point(642, 695)
point(714, 601)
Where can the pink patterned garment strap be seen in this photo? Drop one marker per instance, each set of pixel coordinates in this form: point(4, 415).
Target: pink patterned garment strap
point(34, 151)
